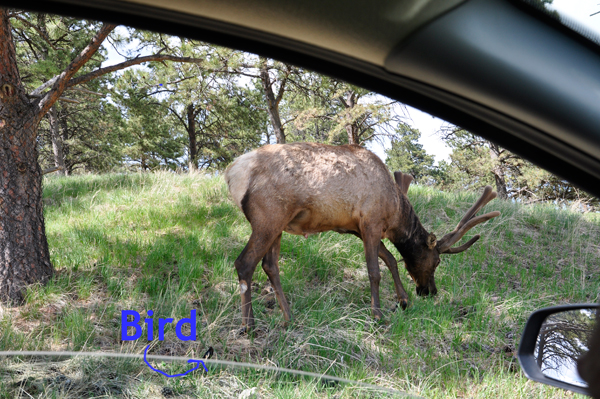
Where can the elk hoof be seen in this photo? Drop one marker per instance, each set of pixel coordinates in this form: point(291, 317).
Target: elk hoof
point(378, 316)
point(245, 330)
point(403, 304)
point(380, 322)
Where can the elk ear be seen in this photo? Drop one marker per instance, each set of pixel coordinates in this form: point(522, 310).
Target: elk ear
point(431, 241)
point(403, 181)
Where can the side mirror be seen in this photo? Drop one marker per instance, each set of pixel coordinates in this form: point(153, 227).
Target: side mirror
point(553, 341)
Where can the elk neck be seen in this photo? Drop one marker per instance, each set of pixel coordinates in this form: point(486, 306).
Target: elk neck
point(409, 232)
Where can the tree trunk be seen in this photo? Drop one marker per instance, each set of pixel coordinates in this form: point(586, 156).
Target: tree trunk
point(351, 128)
point(352, 131)
point(57, 143)
point(498, 172)
point(65, 147)
point(541, 347)
point(191, 127)
point(272, 103)
point(24, 255)
point(501, 185)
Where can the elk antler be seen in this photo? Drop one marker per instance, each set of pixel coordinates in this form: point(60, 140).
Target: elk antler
point(468, 222)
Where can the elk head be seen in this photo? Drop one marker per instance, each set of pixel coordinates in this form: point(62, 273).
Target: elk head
point(421, 252)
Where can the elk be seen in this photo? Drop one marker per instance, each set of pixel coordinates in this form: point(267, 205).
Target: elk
point(308, 188)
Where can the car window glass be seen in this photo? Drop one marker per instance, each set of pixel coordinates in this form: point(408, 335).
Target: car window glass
point(143, 234)
point(582, 16)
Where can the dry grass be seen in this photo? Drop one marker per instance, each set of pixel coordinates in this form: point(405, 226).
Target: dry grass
point(167, 242)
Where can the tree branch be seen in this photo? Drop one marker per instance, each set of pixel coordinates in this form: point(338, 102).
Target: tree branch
point(50, 170)
point(281, 90)
point(178, 117)
point(64, 78)
point(32, 46)
point(69, 100)
point(87, 91)
point(38, 91)
point(38, 30)
point(138, 60)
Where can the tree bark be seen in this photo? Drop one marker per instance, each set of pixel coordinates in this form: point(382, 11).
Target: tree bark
point(352, 131)
point(498, 172)
point(191, 128)
point(351, 128)
point(272, 102)
point(541, 347)
point(65, 147)
point(500, 186)
point(57, 142)
point(24, 254)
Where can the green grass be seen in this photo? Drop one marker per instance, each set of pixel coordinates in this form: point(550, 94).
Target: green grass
point(167, 242)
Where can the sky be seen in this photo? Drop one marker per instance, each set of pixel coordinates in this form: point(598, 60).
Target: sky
point(578, 10)
point(581, 11)
point(428, 126)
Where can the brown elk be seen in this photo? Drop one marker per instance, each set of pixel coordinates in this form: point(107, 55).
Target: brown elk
point(306, 188)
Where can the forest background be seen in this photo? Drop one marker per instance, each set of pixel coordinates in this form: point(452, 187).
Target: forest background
point(220, 103)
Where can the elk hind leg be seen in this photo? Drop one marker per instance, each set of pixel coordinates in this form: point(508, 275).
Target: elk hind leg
point(245, 264)
point(271, 267)
point(391, 263)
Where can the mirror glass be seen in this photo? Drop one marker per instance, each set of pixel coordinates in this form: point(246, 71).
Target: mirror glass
point(562, 340)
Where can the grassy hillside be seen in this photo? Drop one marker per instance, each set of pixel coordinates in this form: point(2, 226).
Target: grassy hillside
point(167, 242)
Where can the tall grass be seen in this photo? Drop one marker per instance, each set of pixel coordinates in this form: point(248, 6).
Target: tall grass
point(167, 242)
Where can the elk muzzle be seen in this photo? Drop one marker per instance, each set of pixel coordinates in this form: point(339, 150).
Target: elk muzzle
point(429, 289)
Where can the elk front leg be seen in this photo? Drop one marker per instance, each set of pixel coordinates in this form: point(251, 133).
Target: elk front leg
point(391, 263)
point(371, 242)
point(271, 267)
point(245, 264)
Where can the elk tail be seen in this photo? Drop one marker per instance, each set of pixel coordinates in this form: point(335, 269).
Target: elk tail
point(238, 176)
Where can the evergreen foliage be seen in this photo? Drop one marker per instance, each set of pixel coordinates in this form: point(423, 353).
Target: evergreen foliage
point(476, 162)
point(204, 114)
point(408, 156)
